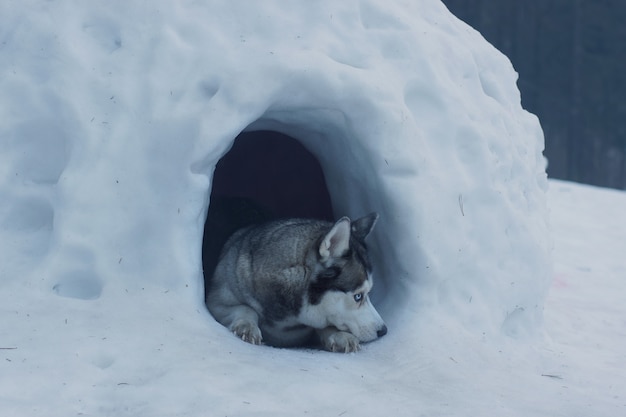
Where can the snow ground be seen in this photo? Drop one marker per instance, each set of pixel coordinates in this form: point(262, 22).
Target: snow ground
point(585, 313)
point(62, 359)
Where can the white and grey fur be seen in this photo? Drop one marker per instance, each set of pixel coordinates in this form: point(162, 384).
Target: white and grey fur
point(284, 281)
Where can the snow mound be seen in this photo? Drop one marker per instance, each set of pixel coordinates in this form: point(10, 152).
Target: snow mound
point(115, 116)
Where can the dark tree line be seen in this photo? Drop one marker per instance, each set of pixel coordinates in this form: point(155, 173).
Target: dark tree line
point(571, 57)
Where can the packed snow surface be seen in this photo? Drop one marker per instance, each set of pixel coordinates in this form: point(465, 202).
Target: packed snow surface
point(64, 357)
point(114, 116)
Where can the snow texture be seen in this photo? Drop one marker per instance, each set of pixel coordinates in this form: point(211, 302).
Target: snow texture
point(114, 116)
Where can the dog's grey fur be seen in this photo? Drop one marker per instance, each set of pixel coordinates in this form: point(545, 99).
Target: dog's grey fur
point(284, 281)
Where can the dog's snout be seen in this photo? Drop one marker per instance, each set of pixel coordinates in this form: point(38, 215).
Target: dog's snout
point(381, 332)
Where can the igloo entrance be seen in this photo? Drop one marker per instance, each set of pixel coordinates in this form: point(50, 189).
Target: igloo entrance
point(277, 172)
point(265, 175)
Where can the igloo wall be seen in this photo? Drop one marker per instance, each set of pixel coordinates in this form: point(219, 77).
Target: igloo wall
point(109, 153)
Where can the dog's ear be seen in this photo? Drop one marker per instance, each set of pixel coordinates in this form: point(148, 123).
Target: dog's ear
point(363, 226)
point(337, 241)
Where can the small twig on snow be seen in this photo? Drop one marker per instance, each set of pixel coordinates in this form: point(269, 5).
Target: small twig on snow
point(461, 204)
point(552, 376)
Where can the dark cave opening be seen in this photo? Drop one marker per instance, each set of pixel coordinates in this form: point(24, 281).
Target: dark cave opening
point(264, 175)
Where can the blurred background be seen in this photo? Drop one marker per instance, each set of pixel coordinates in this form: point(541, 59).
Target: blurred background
point(571, 60)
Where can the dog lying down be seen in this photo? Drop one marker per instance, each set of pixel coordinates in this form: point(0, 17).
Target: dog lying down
point(285, 281)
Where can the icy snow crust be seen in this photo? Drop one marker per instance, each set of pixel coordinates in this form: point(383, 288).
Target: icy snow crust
point(113, 117)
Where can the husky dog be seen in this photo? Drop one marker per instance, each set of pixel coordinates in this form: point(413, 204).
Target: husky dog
point(225, 216)
point(284, 281)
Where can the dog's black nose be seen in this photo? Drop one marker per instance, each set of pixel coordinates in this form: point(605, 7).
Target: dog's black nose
point(382, 332)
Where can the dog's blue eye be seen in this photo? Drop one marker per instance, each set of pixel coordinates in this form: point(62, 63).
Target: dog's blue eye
point(358, 297)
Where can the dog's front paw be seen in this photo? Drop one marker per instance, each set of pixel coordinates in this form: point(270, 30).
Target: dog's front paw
point(248, 332)
point(338, 341)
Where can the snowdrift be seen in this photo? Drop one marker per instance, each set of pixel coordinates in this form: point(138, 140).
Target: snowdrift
point(115, 116)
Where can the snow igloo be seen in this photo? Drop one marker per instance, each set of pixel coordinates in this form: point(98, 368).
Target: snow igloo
point(114, 130)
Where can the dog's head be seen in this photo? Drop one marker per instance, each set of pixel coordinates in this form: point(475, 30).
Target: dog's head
point(338, 293)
